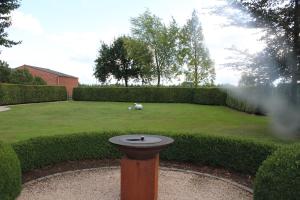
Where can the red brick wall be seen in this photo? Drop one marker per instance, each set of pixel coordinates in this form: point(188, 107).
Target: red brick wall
point(53, 79)
point(69, 83)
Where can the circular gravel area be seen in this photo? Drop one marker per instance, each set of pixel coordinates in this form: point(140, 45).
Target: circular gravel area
point(104, 184)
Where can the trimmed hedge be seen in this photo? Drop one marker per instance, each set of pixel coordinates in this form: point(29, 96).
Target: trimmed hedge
point(248, 99)
point(253, 99)
point(41, 151)
point(10, 173)
point(242, 105)
point(17, 94)
point(210, 96)
point(279, 176)
point(231, 153)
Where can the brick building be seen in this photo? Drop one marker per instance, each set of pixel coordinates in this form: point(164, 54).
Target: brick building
point(53, 77)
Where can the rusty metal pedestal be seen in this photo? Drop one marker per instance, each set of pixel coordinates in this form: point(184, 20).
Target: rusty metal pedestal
point(139, 166)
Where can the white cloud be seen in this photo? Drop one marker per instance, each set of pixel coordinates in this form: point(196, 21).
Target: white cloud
point(74, 51)
point(26, 22)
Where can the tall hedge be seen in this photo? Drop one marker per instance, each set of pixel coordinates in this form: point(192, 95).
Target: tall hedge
point(210, 96)
point(254, 99)
point(10, 173)
point(17, 94)
point(243, 105)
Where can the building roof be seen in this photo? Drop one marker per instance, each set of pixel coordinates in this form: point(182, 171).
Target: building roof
point(49, 71)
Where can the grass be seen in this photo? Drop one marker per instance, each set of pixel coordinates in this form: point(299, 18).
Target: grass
point(31, 120)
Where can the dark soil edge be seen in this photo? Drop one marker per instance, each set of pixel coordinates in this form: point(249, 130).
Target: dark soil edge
point(242, 179)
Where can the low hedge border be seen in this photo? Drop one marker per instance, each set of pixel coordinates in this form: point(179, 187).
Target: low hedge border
point(17, 94)
point(243, 155)
point(10, 173)
point(231, 153)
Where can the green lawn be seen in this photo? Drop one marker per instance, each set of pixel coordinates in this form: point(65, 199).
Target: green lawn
point(31, 120)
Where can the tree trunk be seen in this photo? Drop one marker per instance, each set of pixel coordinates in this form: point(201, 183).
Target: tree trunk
point(126, 81)
point(196, 76)
point(296, 49)
point(195, 65)
point(157, 70)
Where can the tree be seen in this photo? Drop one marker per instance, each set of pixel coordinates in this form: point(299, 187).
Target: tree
point(23, 76)
point(141, 57)
point(103, 63)
point(280, 19)
point(248, 80)
point(6, 6)
point(259, 67)
point(113, 61)
point(38, 81)
point(4, 72)
point(195, 54)
point(163, 41)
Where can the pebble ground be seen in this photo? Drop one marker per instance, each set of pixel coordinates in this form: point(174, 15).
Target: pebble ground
point(104, 184)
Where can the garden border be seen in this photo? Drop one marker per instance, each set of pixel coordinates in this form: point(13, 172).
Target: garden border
point(242, 155)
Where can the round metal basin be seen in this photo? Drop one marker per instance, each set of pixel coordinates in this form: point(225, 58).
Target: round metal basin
point(141, 147)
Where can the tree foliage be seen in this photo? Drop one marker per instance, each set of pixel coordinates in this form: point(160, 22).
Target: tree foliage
point(18, 76)
point(195, 54)
point(23, 76)
point(280, 20)
point(124, 59)
point(163, 41)
point(260, 67)
point(4, 72)
point(6, 6)
point(141, 57)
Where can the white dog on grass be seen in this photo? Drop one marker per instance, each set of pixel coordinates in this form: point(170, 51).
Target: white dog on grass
point(136, 106)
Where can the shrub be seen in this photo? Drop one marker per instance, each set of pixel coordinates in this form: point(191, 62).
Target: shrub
point(231, 153)
point(10, 173)
point(41, 151)
point(16, 94)
point(210, 96)
point(238, 154)
point(279, 176)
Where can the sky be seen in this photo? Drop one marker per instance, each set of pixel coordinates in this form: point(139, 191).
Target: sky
point(66, 35)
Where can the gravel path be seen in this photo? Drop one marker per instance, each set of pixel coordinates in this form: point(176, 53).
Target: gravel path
point(103, 184)
point(4, 108)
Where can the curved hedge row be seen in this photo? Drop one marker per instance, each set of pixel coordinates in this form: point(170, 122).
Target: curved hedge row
point(277, 177)
point(209, 96)
point(17, 94)
point(10, 173)
point(231, 153)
